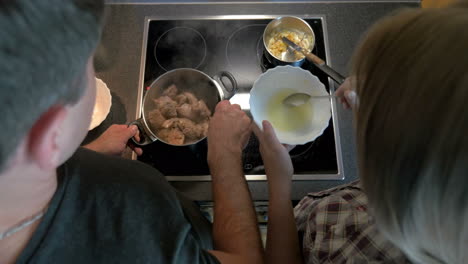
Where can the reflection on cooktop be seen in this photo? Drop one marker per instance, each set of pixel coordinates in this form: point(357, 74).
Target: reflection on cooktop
point(180, 47)
point(252, 52)
point(236, 46)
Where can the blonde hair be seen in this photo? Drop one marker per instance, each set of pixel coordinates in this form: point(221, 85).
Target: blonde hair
point(412, 131)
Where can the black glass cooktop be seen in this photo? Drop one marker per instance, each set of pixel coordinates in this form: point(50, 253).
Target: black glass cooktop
point(236, 46)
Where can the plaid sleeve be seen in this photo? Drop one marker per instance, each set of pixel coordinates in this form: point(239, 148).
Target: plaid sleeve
point(335, 227)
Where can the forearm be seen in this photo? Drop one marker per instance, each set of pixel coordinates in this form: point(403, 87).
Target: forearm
point(282, 239)
point(235, 229)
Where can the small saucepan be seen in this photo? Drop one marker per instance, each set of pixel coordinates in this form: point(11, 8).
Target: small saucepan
point(183, 81)
point(295, 29)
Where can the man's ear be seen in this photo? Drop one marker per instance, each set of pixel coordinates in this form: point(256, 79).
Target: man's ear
point(42, 141)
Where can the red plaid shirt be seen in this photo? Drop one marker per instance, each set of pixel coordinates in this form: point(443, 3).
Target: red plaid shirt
point(335, 228)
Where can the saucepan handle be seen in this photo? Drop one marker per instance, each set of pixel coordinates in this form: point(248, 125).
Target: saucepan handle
point(338, 78)
point(228, 93)
point(144, 138)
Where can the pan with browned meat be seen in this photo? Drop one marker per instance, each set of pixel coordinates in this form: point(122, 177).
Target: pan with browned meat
point(178, 106)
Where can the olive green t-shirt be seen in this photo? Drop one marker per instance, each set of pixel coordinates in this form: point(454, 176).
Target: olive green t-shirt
point(111, 210)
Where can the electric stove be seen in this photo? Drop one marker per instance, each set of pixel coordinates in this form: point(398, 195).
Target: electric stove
point(233, 44)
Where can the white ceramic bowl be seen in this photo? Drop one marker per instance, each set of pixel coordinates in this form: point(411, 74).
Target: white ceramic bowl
point(291, 79)
point(102, 105)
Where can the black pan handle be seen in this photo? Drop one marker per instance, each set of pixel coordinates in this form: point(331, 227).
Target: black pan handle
point(338, 78)
point(144, 138)
point(228, 93)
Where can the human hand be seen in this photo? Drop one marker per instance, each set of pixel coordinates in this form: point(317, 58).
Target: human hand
point(228, 133)
point(275, 156)
point(114, 140)
point(347, 94)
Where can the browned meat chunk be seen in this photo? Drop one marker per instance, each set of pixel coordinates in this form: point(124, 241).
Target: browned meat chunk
point(171, 91)
point(172, 136)
point(166, 106)
point(181, 99)
point(155, 119)
point(190, 129)
point(191, 99)
point(203, 110)
point(179, 117)
point(170, 123)
point(163, 100)
point(186, 111)
point(204, 127)
point(196, 112)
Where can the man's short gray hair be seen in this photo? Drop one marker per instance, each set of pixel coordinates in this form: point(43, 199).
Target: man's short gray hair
point(44, 49)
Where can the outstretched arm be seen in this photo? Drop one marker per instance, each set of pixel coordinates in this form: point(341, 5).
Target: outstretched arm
point(235, 231)
point(282, 241)
point(114, 140)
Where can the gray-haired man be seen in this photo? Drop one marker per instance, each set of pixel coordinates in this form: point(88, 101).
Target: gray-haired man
point(60, 205)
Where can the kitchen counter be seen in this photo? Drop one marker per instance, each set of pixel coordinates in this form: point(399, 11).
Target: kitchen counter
point(119, 58)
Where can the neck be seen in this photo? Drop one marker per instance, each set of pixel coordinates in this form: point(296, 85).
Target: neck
point(24, 192)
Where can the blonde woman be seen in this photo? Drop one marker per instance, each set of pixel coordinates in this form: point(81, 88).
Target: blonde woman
point(410, 92)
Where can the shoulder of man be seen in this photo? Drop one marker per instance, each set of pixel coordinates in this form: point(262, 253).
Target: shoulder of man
point(106, 168)
point(125, 209)
point(113, 182)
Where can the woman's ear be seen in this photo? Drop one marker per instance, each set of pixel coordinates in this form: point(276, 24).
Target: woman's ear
point(42, 147)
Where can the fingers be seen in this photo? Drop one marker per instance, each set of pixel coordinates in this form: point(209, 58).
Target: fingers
point(288, 147)
point(269, 132)
point(257, 131)
point(236, 106)
point(340, 91)
point(225, 105)
point(131, 131)
point(347, 96)
point(351, 98)
point(222, 105)
point(137, 136)
point(136, 149)
point(344, 103)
